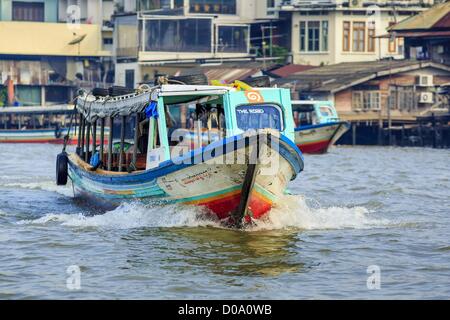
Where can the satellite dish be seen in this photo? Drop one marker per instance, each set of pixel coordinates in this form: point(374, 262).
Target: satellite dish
point(77, 39)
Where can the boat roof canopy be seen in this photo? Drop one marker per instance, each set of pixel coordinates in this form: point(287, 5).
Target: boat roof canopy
point(93, 107)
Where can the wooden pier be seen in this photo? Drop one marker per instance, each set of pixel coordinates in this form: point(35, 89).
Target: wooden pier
point(406, 131)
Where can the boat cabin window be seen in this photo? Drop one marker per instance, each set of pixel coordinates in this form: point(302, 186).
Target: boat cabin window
point(304, 114)
point(260, 116)
point(194, 124)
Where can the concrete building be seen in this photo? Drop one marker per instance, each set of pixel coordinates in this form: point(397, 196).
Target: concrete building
point(44, 57)
point(334, 31)
point(169, 36)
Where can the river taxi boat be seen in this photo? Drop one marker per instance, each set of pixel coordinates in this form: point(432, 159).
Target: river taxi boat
point(228, 150)
point(317, 125)
point(34, 124)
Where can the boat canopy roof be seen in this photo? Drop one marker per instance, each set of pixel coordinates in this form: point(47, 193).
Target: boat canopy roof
point(93, 107)
point(59, 109)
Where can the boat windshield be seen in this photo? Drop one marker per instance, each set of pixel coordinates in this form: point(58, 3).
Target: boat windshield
point(326, 111)
point(261, 116)
point(304, 114)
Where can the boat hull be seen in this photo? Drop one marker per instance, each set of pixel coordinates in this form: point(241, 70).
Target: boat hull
point(316, 139)
point(206, 183)
point(31, 136)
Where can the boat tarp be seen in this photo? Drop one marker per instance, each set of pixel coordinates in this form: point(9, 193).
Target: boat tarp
point(93, 108)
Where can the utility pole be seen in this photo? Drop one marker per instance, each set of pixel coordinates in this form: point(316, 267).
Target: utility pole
point(271, 28)
point(390, 100)
point(263, 42)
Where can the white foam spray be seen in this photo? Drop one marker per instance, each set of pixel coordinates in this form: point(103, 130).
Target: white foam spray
point(295, 213)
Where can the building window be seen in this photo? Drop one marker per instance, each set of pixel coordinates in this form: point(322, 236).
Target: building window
point(346, 36)
point(313, 36)
point(185, 35)
point(402, 98)
point(126, 36)
point(148, 5)
point(366, 100)
point(359, 30)
point(28, 95)
point(28, 11)
point(213, 6)
point(371, 37)
point(233, 39)
point(392, 45)
point(302, 36)
point(324, 36)
point(270, 3)
point(57, 95)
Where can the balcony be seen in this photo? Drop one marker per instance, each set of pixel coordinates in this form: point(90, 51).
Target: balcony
point(50, 39)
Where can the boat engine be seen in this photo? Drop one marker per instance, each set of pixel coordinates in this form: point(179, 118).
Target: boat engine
point(61, 169)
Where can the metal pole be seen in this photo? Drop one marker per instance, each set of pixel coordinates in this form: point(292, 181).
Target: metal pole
point(122, 142)
point(263, 47)
point(353, 134)
point(136, 137)
point(79, 131)
point(83, 134)
point(94, 137)
point(433, 122)
point(102, 138)
point(271, 40)
point(110, 142)
point(88, 142)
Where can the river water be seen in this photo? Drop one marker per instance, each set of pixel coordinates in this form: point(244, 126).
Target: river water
point(354, 211)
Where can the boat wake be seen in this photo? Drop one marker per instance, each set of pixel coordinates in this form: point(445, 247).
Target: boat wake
point(41, 185)
point(295, 213)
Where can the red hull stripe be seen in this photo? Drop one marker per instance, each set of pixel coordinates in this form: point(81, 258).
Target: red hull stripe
point(225, 204)
point(57, 141)
point(315, 147)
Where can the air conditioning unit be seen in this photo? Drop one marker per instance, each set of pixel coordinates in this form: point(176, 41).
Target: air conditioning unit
point(426, 97)
point(424, 80)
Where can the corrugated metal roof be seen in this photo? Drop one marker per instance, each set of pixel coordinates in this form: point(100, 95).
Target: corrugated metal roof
point(228, 75)
point(289, 69)
point(420, 34)
point(228, 72)
point(337, 77)
point(426, 19)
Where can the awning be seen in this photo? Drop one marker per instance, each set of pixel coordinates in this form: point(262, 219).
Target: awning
point(93, 108)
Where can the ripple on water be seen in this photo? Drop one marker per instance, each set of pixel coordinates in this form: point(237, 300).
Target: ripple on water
point(46, 185)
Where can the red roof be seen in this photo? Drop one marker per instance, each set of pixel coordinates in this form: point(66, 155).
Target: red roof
point(289, 69)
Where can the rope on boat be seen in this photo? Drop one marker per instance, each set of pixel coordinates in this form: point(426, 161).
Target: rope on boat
point(67, 136)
